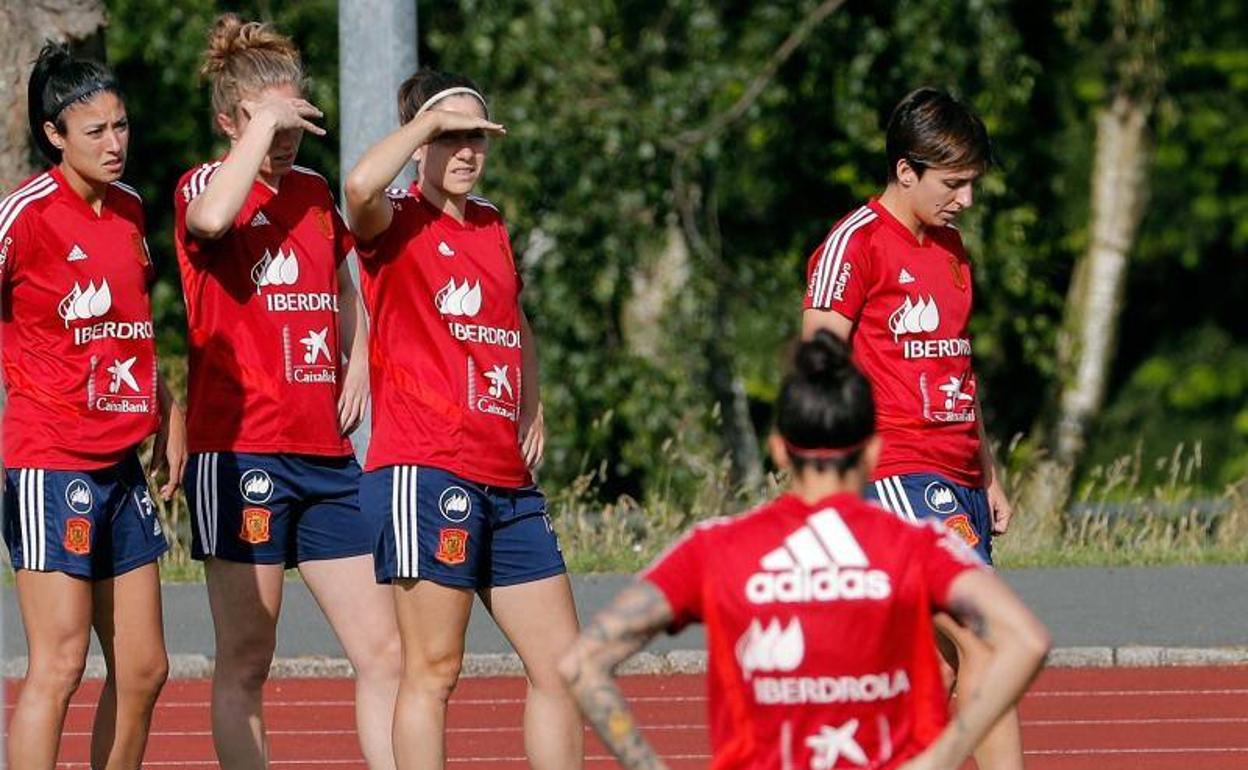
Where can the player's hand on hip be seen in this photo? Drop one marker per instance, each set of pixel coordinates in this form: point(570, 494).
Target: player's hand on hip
point(999, 505)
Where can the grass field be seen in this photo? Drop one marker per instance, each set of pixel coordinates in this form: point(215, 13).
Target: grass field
point(1115, 519)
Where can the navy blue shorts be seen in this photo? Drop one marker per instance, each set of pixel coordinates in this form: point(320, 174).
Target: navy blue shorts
point(914, 496)
point(276, 509)
point(89, 524)
point(458, 533)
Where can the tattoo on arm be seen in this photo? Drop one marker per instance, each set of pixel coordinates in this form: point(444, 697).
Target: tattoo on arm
point(637, 614)
point(968, 613)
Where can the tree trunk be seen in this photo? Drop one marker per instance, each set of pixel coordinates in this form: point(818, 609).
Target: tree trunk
point(729, 391)
point(659, 280)
point(23, 28)
point(1088, 339)
point(697, 209)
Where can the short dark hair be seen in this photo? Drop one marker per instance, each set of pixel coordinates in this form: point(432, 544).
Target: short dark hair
point(929, 128)
point(825, 404)
point(58, 81)
point(417, 89)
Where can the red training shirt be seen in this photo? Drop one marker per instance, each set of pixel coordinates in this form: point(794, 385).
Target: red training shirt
point(262, 312)
point(79, 358)
point(910, 303)
point(819, 630)
point(444, 343)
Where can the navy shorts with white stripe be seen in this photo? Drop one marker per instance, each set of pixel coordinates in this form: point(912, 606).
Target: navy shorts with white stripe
point(276, 508)
point(915, 496)
point(93, 524)
point(458, 533)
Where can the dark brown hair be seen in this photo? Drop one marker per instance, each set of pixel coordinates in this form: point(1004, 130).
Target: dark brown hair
point(57, 82)
point(424, 84)
point(825, 404)
point(929, 128)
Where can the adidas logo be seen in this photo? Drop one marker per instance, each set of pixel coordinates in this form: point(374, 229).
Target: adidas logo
point(904, 277)
point(820, 562)
point(76, 254)
point(445, 249)
point(259, 220)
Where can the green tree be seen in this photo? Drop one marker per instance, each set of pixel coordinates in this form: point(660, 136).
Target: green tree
point(596, 95)
point(155, 50)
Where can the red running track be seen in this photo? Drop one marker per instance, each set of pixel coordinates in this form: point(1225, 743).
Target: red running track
point(1073, 719)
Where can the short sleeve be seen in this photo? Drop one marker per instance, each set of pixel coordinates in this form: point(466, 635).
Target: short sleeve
point(943, 556)
point(838, 273)
point(504, 243)
point(344, 241)
point(14, 239)
point(678, 575)
point(388, 240)
point(190, 187)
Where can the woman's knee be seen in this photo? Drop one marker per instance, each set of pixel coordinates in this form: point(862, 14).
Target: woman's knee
point(433, 675)
point(57, 675)
point(143, 679)
point(244, 659)
point(381, 660)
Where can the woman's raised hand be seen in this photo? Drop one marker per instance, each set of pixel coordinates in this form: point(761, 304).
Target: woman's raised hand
point(284, 113)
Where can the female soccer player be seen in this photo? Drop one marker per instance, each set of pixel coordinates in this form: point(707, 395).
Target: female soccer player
point(83, 391)
point(818, 610)
point(457, 424)
point(893, 279)
point(272, 481)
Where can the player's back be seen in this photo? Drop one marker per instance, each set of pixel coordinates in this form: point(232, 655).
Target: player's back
point(818, 616)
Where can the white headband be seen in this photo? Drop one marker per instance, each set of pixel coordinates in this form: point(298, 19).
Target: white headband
point(440, 95)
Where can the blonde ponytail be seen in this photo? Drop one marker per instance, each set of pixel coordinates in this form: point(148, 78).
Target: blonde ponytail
point(245, 58)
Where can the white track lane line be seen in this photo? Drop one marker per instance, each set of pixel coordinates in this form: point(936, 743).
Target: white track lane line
point(679, 699)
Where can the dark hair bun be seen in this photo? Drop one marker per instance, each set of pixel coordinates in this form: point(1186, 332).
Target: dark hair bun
point(823, 359)
point(825, 402)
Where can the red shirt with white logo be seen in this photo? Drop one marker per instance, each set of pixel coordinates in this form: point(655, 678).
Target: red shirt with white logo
point(262, 310)
point(79, 357)
point(819, 630)
point(444, 299)
point(910, 303)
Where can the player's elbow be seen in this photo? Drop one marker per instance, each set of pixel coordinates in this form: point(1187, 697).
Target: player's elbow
point(358, 192)
point(1039, 641)
point(1032, 639)
point(204, 223)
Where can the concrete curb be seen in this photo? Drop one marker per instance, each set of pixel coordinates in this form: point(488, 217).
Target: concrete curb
point(674, 662)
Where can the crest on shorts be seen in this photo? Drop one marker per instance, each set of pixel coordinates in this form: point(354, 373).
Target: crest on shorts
point(452, 546)
point(960, 523)
point(78, 535)
point(78, 497)
point(255, 526)
point(256, 485)
point(940, 498)
point(455, 504)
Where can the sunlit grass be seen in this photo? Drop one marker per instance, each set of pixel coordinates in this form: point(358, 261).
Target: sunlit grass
point(1116, 518)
